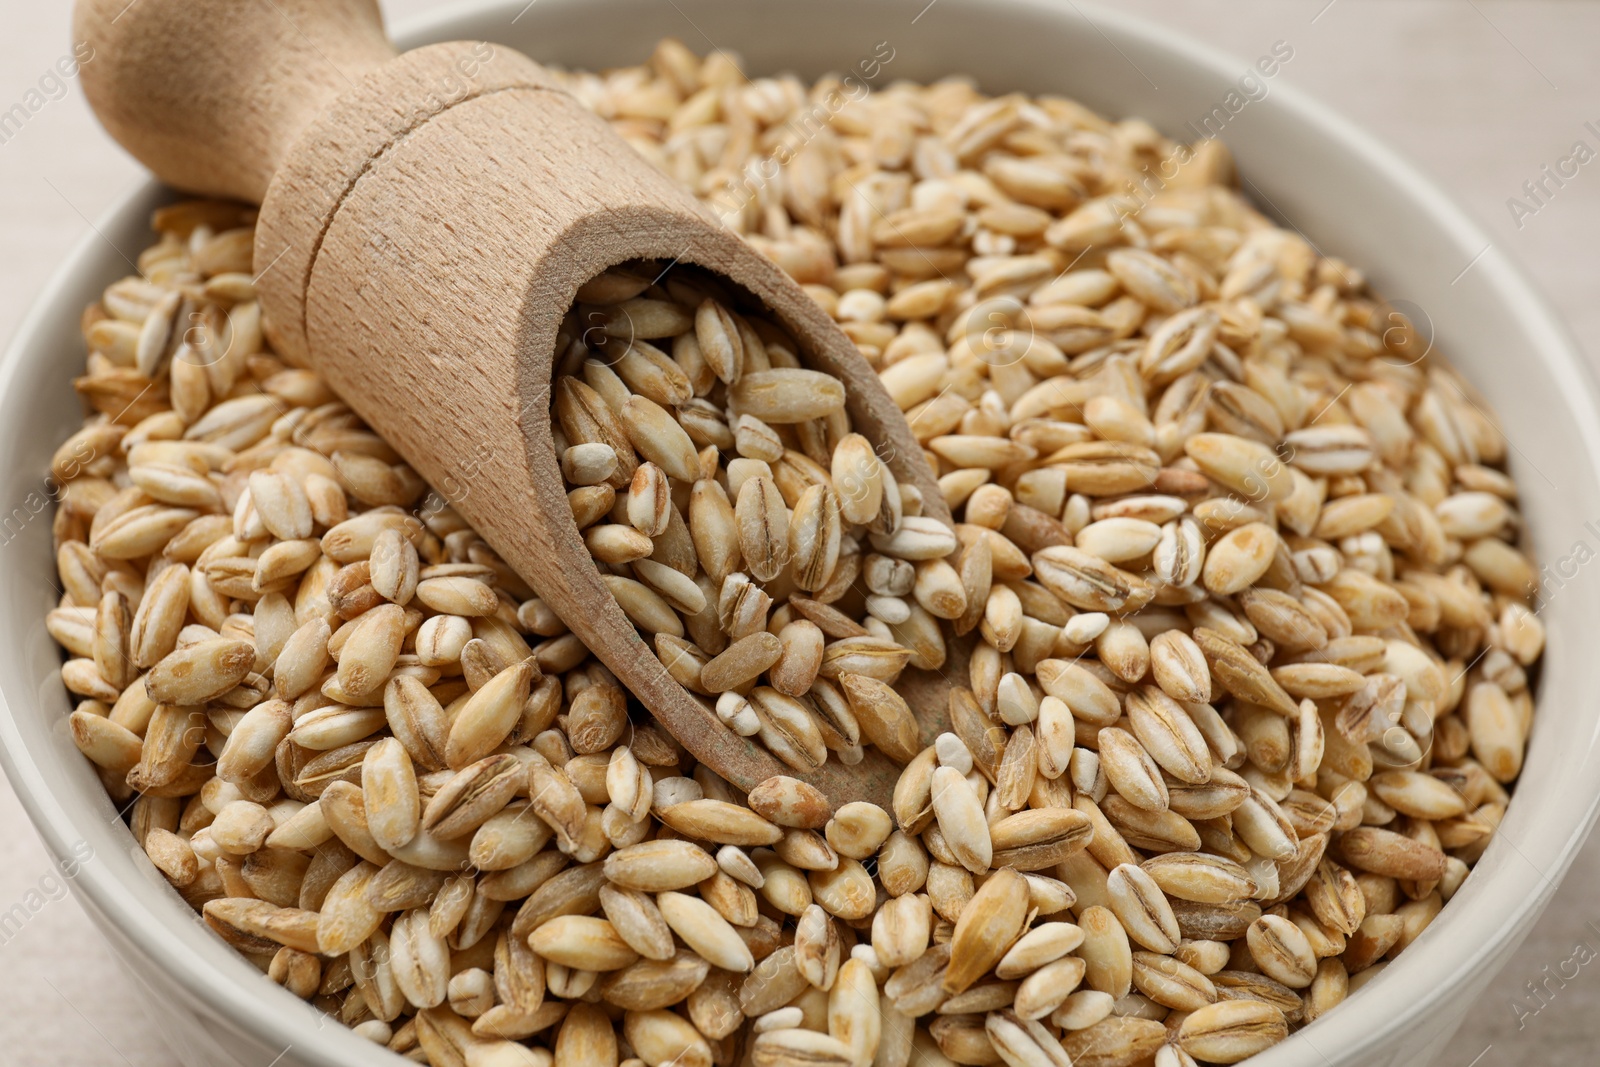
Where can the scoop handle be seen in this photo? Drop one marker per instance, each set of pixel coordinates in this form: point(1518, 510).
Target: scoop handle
point(210, 96)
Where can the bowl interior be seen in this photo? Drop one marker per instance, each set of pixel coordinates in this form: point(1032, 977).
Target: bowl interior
point(1347, 195)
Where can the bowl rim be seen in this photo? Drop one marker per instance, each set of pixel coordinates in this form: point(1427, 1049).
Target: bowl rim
point(1367, 1021)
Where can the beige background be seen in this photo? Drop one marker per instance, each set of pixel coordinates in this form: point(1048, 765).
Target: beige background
point(1480, 93)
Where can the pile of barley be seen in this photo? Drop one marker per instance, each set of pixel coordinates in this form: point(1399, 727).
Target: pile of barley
point(1251, 632)
point(642, 436)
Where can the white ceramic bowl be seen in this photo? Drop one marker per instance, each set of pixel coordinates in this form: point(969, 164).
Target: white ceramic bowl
point(1346, 193)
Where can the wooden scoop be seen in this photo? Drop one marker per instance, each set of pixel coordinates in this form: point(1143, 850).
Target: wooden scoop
point(426, 221)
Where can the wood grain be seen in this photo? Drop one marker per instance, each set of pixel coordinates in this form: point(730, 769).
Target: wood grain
point(210, 96)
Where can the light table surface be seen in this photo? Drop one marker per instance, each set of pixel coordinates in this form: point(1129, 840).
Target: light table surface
point(1481, 93)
